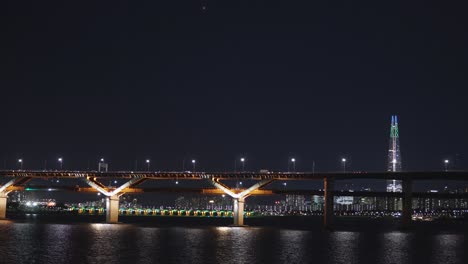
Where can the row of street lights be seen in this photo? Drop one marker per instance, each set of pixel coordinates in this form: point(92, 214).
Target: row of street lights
point(60, 161)
point(242, 160)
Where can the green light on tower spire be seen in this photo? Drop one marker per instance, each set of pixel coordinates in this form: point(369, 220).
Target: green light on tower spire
point(394, 127)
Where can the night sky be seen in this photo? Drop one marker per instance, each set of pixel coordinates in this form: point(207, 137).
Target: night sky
point(217, 80)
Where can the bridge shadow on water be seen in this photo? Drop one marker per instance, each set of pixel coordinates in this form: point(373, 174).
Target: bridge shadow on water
point(358, 224)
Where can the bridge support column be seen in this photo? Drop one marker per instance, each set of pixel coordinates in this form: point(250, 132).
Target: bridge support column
point(112, 200)
point(4, 190)
point(112, 209)
point(3, 205)
point(239, 211)
point(407, 211)
point(239, 197)
point(328, 186)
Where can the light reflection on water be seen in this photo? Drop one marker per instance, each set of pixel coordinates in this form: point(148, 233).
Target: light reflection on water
point(343, 247)
point(123, 243)
point(292, 247)
point(395, 247)
point(447, 248)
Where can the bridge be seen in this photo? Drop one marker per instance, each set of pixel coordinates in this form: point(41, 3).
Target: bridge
point(19, 179)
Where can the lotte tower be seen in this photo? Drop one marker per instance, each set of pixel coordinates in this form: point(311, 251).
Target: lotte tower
point(394, 157)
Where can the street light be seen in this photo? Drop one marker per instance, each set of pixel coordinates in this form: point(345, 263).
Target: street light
point(60, 160)
point(293, 160)
point(193, 164)
point(446, 163)
point(102, 166)
point(20, 161)
point(147, 164)
point(344, 164)
point(243, 163)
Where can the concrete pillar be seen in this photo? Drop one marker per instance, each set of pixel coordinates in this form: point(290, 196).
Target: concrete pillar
point(112, 209)
point(328, 186)
point(3, 205)
point(239, 211)
point(407, 211)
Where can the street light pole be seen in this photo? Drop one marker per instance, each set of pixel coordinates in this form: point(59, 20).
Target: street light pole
point(293, 160)
point(344, 164)
point(60, 160)
point(446, 163)
point(193, 164)
point(20, 161)
point(147, 165)
point(243, 163)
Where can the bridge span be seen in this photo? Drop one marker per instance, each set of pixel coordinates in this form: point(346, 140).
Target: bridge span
point(18, 180)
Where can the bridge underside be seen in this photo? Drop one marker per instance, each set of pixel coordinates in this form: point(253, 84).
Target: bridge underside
point(20, 178)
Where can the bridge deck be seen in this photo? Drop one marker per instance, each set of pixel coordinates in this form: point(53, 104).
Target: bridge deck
point(426, 175)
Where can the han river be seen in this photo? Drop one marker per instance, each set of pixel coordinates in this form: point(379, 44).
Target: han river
point(26, 241)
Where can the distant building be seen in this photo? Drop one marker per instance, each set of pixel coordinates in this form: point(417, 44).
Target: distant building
point(295, 202)
point(394, 165)
point(344, 200)
point(394, 156)
point(317, 203)
point(17, 196)
point(317, 199)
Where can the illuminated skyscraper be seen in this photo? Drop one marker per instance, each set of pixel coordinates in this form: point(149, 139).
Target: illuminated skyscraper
point(394, 164)
point(394, 157)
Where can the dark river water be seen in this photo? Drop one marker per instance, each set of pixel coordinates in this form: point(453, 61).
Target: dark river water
point(44, 242)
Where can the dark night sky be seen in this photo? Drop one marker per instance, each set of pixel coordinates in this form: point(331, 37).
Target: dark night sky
point(167, 80)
